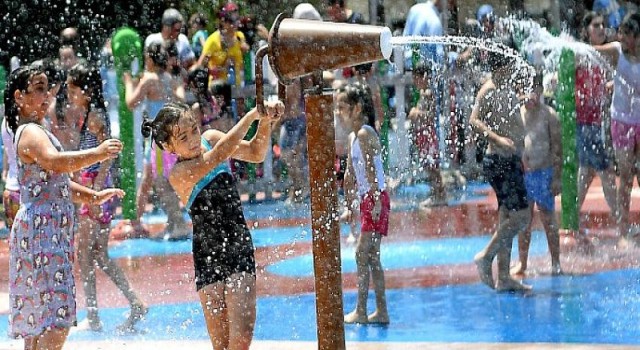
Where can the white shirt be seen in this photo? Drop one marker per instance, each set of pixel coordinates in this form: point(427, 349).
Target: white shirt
point(185, 52)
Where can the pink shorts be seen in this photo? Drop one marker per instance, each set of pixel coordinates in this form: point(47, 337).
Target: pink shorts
point(366, 219)
point(107, 209)
point(625, 135)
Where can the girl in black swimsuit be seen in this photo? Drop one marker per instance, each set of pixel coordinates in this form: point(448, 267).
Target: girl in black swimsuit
point(223, 252)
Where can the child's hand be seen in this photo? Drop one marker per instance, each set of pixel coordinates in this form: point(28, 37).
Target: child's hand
point(110, 148)
point(104, 195)
point(275, 109)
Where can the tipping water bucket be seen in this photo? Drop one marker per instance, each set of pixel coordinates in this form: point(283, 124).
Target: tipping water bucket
point(299, 47)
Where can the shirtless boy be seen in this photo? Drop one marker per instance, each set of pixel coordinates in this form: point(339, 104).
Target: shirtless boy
point(542, 160)
point(496, 116)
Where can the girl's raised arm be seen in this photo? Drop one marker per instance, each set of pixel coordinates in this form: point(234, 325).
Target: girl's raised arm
point(186, 174)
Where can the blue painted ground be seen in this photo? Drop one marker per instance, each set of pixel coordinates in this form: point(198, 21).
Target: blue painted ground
point(407, 255)
point(603, 308)
point(262, 237)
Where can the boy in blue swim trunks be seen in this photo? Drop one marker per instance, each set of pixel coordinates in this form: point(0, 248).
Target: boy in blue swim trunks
point(542, 160)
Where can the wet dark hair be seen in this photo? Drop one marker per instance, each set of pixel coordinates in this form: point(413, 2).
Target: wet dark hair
point(586, 21)
point(334, 2)
point(160, 129)
point(360, 93)
point(88, 78)
point(55, 75)
point(172, 48)
point(199, 78)
point(158, 55)
point(223, 89)
point(631, 24)
point(18, 80)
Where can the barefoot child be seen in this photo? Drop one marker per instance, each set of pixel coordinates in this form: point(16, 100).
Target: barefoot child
point(223, 253)
point(365, 175)
point(624, 56)
point(496, 116)
point(41, 244)
point(542, 161)
point(84, 89)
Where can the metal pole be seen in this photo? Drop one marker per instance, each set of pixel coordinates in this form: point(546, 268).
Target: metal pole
point(321, 149)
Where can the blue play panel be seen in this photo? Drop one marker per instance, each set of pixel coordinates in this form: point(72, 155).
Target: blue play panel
point(407, 255)
point(603, 308)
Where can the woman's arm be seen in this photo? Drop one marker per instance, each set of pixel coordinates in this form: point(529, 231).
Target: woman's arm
point(34, 146)
point(610, 51)
point(134, 93)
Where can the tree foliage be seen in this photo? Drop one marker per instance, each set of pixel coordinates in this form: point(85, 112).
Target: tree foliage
point(30, 29)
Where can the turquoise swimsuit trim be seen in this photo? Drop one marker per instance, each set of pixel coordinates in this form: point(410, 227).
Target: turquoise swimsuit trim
point(221, 168)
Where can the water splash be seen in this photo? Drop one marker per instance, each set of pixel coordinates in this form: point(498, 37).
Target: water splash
point(521, 65)
point(537, 41)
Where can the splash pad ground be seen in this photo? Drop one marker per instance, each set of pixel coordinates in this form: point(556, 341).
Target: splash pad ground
point(435, 298)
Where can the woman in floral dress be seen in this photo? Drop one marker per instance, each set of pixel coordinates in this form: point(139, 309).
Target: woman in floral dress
point(41, 284)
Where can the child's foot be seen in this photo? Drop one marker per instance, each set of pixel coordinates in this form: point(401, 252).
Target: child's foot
point(138, 311)
point(518, 270)
point(378, 317)
point(355, 317)
point(556, 271)
point(177, 233)
point(484, 270)
point(93, 325)
point(511, 285)
point(351, 239)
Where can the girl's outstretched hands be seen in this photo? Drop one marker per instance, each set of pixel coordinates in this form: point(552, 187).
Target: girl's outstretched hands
point(102, 196)
point(109, 148)
point(275, 109)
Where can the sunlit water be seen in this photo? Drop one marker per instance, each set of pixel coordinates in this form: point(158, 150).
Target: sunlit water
point(520, 64)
